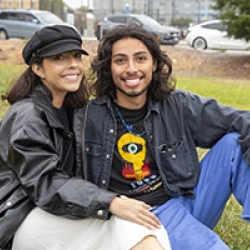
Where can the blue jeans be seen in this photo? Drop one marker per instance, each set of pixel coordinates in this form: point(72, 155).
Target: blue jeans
point(190, 221)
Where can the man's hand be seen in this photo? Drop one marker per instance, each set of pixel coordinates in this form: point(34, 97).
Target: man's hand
point(135, 211)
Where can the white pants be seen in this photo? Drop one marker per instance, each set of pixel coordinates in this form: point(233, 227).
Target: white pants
point(44, 231)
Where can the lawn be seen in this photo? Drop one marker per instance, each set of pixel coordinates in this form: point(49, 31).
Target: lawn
point(231, 228)
point(234, 231)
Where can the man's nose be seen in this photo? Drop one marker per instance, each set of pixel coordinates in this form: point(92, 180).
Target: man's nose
point(131, 67)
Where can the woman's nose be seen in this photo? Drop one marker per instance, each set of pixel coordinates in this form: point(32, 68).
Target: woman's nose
point(73, 62)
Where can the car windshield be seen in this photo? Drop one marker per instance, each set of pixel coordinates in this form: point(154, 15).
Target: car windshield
point(49, 18)
point(145, 20)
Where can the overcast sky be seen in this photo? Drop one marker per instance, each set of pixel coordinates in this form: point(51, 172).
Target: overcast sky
point(75, 3)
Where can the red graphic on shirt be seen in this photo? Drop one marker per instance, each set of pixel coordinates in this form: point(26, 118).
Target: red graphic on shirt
point(128, 171)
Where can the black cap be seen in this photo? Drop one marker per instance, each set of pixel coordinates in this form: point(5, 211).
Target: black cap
point(52, 40)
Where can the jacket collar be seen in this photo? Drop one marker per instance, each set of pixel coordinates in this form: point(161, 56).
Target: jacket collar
point(106, 100)
point(42, 98)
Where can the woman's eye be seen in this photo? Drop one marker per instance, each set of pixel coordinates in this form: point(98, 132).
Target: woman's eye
point(78, 55)
point(59, 57)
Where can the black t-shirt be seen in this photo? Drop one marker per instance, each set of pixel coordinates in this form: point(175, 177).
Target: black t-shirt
point(68, 151)
point(134, 171)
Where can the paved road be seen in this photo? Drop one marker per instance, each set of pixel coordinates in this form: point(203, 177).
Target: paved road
point(183, 44)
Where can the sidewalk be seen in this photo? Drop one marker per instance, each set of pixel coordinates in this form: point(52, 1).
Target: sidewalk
point(89, 38)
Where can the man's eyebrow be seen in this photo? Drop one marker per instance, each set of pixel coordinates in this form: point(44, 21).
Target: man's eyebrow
point(141, 52)
point(135, 54)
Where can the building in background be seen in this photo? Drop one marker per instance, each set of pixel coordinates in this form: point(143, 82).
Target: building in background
point(164, 11)
point(19, 4)
point(197, 10)
point(102, 8)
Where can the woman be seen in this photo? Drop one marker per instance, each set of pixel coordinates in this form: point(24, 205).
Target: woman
point(41, 149)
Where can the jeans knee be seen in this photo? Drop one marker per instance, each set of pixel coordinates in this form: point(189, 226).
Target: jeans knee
point(230, 140)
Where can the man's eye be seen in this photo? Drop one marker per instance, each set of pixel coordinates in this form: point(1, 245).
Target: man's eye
point(142, 58)
point(120, 61)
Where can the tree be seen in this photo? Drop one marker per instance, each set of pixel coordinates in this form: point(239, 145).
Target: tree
point(235, 14)
point(55, 6)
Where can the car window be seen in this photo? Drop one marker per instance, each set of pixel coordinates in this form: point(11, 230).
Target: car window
point(215, 26)
point(146, 20)
point(29, 18)
point(4, 16)
point(48, 18)
point(134, 21)
point(11, 16)
point(118, 19)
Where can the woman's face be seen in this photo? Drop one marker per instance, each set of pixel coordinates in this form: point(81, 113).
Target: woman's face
point(61, 74)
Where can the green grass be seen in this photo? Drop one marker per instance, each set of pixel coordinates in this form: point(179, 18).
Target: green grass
point(231, 228)
point(227, 91)
point(234, 231)
point(8, 73)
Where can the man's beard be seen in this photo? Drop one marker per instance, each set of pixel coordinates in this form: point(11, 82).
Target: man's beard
point(132, 93)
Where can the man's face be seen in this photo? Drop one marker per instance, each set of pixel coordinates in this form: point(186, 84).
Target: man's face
point(132, 67)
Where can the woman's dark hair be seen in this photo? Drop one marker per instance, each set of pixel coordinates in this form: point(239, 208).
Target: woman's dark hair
point(162, 83)
point(24, 85)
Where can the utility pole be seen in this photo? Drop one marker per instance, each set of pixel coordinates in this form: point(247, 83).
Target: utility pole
point(173, 10)
point(145, 7)
point(199, 11)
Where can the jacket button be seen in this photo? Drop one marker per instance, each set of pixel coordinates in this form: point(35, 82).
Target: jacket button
point(107, 156)
point(9, 203)
point(99, 212)
point(111, 131)
point(104, 181)
point(174, 156)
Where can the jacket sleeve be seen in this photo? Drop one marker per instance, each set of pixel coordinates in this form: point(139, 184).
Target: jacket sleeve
point(208, 121)
point(33, 156)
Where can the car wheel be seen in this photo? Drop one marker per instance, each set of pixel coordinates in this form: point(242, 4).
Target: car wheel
point(200, 43)
point(3, 35)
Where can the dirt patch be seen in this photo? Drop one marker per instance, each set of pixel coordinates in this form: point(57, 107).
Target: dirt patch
point(215, 63)
point(185, 62)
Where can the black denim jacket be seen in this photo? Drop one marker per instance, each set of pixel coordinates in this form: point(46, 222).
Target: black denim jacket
point(175, 128)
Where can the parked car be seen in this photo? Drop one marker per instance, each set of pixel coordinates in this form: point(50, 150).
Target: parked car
point(24, 23)
point(165, 34)
point(213, 35)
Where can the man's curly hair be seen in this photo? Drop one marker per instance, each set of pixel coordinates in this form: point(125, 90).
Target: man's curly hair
point(162, 83)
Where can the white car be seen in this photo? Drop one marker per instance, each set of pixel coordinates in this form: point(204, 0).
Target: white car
point(213, 35)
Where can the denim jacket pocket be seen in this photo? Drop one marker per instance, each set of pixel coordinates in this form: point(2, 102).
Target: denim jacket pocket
point(176, 162)
point(94, 160)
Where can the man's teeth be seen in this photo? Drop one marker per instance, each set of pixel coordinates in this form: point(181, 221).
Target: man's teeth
point(135, 81)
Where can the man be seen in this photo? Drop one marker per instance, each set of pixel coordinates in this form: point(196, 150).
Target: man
point(141, 139)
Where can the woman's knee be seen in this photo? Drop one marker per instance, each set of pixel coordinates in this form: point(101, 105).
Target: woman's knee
point(150, 242)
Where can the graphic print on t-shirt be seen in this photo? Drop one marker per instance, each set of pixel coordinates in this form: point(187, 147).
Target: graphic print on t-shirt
point(132, 149)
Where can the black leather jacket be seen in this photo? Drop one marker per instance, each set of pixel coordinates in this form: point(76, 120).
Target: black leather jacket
point(32, 171)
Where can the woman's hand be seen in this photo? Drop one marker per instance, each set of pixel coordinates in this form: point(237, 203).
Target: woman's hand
point(135, 211)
